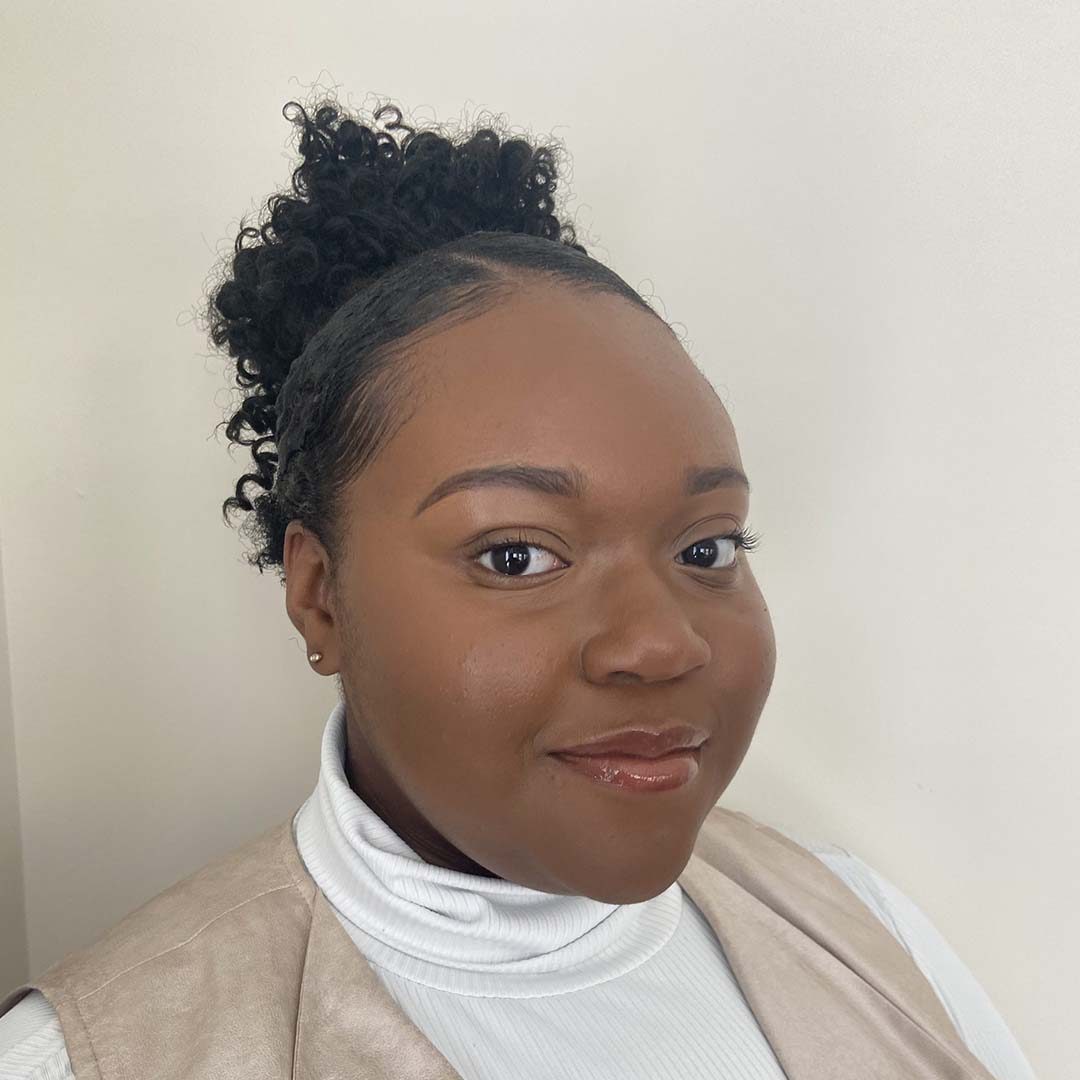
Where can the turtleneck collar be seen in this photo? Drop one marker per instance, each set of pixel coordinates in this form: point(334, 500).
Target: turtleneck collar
point(455, 931)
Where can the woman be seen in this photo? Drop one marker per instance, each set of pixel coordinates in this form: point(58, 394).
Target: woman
point(509, 515)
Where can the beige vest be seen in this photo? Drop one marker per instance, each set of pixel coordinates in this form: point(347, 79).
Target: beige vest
point(241, 971)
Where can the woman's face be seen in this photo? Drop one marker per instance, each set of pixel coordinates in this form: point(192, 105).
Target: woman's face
point(463, 669)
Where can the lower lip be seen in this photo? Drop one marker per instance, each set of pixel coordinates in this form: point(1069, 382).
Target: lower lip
point(635, 773)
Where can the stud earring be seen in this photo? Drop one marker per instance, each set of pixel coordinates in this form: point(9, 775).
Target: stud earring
point(315, 657)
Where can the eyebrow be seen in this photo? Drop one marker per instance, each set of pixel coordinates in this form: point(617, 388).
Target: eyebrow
point(568, 483)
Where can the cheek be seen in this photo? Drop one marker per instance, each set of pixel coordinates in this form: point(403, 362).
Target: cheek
point(743, 660)
point(748, 636)
point(457, 691)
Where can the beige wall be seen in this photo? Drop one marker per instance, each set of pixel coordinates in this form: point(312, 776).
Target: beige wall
point(13, 952)
point(865, 217)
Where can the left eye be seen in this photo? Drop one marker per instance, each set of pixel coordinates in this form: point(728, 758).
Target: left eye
point(712, 547)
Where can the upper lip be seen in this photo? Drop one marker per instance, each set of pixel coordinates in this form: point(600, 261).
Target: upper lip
point(641, 742)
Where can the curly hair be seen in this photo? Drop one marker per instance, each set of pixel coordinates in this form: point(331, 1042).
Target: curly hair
point(382, 242)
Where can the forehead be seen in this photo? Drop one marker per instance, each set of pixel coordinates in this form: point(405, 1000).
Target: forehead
point(556, 377)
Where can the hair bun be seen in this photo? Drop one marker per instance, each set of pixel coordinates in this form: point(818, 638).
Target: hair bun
point(362, 201)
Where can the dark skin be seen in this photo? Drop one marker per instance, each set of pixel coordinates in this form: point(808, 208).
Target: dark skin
point(461, 675)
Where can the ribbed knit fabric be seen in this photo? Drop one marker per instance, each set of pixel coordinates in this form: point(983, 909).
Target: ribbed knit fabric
point(510, 981)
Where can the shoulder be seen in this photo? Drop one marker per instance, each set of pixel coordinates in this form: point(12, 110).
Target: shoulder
point(266, 867)
point(32, 1042)
point(965, 1000)
point(262, 883)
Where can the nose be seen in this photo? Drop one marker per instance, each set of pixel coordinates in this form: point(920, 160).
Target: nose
point(644, 632)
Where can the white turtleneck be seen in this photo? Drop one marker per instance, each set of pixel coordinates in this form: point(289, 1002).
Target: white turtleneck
point(511, 981)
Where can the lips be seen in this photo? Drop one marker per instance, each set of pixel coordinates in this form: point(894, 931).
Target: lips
point(639, 743)
point(636, 774)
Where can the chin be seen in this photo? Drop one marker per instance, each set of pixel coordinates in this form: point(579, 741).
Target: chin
point(626, 880)
point(630, 892)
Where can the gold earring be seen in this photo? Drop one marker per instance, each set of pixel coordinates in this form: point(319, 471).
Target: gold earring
point(315, 657)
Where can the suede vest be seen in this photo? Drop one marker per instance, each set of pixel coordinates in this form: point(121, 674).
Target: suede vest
point(242, 971)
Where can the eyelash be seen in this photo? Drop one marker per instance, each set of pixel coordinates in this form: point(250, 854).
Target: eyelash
point(742, 538)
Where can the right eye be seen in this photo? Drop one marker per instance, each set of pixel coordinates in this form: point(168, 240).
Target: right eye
point(510, 555)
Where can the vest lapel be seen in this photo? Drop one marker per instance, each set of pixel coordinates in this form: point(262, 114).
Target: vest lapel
point(349, 1026)
point(834, 992)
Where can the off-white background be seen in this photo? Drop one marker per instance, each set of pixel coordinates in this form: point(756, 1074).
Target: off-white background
point(863, 216)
